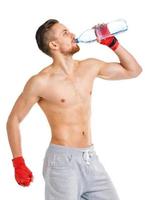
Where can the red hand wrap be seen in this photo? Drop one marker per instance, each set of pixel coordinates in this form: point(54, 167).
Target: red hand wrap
point(23, 175)
point(109, 40)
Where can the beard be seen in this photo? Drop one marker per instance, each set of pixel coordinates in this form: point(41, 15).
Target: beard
point(74, 49)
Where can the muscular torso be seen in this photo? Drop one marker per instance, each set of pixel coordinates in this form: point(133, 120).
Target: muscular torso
point(66, 102)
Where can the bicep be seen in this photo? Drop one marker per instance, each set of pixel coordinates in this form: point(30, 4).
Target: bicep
point(107, 70)
point(24, 102)
point(113, 71)
point(22, 106)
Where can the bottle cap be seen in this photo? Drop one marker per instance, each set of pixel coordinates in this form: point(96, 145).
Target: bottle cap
point(76, 40)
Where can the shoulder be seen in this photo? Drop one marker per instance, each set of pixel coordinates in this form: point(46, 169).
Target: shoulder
point(40, 77)
point(33, 81)
point(36, 83)
point(92, 61)
point(93, 64)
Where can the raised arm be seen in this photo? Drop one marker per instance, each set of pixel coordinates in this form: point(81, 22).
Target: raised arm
point(127, 68)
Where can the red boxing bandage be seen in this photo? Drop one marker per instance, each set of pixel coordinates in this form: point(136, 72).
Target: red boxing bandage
point(23, 175)
point(111, 42)
point(104, 36)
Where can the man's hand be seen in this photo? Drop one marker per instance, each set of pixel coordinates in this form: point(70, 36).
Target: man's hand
point(23, 175)
point(111, 42)
point(104, 36)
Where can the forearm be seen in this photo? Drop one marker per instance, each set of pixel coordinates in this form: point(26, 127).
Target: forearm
point(14, 137)
point(23, 174)
point(127, 61)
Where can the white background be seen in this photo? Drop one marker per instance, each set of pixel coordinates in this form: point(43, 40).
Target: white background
point(117, 106)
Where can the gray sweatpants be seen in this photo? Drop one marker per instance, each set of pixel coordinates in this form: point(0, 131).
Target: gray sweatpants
point(76, 174)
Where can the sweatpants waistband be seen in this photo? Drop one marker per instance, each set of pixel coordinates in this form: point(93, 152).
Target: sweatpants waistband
point(66, 149)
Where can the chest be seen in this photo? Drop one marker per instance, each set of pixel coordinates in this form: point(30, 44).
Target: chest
point(69, 91)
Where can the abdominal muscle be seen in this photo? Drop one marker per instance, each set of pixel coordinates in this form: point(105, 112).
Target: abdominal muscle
point(69, 126)
point(73, 136)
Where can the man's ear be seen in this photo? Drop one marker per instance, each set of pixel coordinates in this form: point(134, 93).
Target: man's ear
point(53, 45)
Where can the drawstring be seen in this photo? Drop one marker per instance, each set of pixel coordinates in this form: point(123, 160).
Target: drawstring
point(86, 156)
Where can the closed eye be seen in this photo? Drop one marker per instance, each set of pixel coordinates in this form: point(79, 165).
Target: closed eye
point(65, 32)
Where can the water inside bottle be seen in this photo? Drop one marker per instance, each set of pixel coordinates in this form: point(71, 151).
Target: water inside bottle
point(117, 26)
point(87, 36)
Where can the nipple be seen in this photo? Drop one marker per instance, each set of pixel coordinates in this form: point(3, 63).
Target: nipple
point(63, 100)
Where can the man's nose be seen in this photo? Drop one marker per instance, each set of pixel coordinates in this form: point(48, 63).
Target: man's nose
point(72, 35)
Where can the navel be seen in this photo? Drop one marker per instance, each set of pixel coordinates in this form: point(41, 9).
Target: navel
point(62, 100)
point(83, 133)
point(90, 92)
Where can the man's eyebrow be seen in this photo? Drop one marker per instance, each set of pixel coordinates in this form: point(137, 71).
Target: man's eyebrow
point(64, 29)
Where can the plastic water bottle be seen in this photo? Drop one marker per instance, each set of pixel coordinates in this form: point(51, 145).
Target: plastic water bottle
point(102, 31)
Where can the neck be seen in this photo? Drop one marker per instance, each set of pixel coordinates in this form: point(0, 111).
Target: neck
point(64, 63)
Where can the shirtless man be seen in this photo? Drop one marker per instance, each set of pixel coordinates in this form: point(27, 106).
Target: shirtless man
point(71, 170)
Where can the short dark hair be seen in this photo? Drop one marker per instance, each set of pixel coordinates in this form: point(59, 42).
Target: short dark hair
point(40, 33)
